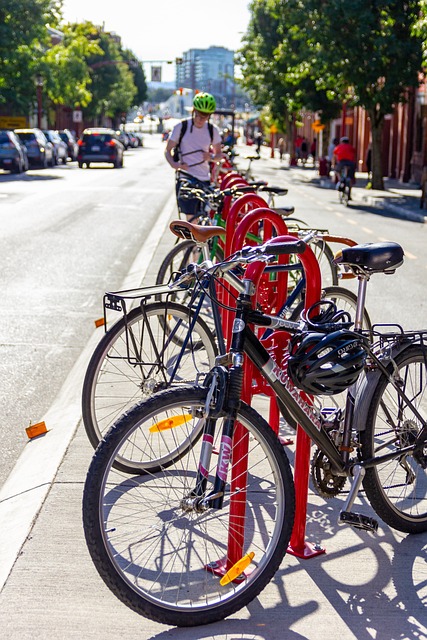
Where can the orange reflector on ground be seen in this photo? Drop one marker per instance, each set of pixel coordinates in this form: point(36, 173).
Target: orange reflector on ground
point(237, 569)
point(170, 423)
point(100, 322)
point(35, 430)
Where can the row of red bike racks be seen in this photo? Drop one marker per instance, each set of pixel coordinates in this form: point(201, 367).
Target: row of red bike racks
point(249, 214)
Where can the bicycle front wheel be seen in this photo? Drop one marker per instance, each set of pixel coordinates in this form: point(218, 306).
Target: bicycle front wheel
point(397, 488)
point(150, 350)
point(163, 554)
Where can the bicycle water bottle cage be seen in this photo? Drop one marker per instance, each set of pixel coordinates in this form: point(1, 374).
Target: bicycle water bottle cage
point(216, 382)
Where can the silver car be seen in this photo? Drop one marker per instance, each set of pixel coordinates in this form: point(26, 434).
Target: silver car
point(13, 154)
point(39, 150)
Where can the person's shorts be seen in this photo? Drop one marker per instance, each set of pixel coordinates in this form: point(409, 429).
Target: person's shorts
point(188, 206)
point(346, 163)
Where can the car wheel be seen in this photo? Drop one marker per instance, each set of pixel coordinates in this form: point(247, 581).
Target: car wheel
point(44, 162)
point(17, 168)
point(88, 165)
point(80, 165)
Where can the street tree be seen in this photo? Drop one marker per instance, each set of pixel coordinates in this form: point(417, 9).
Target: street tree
point(67, 73)
point(275, 65)
point(23, 40)
point(139, 80)
point(367, 53)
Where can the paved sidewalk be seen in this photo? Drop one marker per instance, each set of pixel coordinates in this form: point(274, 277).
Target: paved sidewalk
point(364, 587)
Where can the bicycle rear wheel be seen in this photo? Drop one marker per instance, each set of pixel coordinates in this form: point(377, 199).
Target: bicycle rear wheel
point(156, 549)
point(139, 356)
point(397, 489)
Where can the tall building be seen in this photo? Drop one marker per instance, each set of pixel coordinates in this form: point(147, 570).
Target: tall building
point(209, 70)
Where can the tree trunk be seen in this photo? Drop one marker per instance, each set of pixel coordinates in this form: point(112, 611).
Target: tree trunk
point(377, 125)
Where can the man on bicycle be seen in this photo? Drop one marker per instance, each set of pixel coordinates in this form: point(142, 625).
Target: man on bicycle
point(345, 156)
point(199, 145)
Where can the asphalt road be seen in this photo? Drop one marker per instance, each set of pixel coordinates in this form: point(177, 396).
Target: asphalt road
point(67, 235)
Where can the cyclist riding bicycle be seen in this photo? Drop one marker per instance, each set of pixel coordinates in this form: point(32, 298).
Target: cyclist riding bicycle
point(345, 156)
point(189, 154)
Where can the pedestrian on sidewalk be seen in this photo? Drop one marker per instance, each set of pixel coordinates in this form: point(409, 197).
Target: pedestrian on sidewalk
point(369, 165)
point(259, 141)
point(281, 146)
point(192, 144)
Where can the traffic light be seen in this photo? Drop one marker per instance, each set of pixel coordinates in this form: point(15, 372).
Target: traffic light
point(178, 60)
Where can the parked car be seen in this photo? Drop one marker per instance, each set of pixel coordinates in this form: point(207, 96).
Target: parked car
point(100, 145)
point(140, 137)
point(13, 153)
point(124, 138)
point(133, 140)
point(71, 142)
point(39, 149)
point(60, 148)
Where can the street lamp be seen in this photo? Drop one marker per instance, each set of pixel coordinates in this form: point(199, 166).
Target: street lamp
point(39, 89)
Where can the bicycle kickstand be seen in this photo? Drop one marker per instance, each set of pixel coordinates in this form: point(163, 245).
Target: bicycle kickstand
point(356, 520)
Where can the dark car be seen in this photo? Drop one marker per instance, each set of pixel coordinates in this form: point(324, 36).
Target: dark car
point(71, 142)
point(100, 145)
point(13, 153)
point(60, 148)
point(39, 150)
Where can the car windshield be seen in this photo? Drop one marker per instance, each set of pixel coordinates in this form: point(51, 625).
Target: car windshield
point(4, 138)
point(97, 138)
point(26, 135)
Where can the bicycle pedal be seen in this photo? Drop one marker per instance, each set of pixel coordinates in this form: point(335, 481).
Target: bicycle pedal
point(358, 521)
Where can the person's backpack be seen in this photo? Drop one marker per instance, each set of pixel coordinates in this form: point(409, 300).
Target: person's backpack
point(176, 151)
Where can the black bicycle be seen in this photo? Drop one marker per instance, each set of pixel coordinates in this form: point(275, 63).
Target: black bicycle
point(200, 538)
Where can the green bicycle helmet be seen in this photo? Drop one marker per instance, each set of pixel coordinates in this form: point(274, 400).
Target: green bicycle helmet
point(204, 102)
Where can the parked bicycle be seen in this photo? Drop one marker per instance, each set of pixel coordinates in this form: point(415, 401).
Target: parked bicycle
point(157, 345)
point(196, 539)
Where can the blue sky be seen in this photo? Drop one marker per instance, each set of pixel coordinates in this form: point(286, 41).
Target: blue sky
point(163, 30)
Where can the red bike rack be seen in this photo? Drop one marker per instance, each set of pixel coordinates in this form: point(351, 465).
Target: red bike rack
point(298, 545)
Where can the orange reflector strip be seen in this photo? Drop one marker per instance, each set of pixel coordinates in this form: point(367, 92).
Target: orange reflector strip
point(35, 430)
point(170, 423)
point(237, 569)
point(100, 322)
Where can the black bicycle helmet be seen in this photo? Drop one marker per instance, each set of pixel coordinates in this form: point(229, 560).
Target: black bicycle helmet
point(323, 363)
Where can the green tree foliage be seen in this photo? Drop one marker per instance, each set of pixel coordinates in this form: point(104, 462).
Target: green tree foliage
point(309, 53)
point(138, 73)
point(23, 39)
point(67, 74)
point(112, 80)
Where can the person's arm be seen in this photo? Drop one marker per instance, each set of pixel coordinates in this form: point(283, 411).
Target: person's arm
point(216, 155)
point(171, 144)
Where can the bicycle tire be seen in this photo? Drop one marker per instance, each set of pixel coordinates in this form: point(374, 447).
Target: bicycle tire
point(157, 555)
point(113, 383)
point(397, 489)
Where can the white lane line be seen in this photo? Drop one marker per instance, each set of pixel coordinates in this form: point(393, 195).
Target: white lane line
point(366, 230)
point(24, 492)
